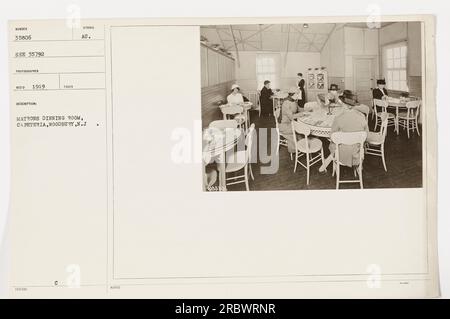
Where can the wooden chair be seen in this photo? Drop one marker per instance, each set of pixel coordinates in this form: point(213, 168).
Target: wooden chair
point(281, 139)
point(409, 119)
point(276, 104)
point(223, 124)
point(348, 138)
point(306, 146)
point(240, 160)
point(254, 98)
point(392, 120)
point(236, 113)
point(375, 140)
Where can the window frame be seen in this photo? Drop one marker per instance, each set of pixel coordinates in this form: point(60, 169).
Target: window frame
point(273, 76)
point(386, 69)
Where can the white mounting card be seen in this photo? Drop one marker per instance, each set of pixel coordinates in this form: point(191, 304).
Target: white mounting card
point(104, 205)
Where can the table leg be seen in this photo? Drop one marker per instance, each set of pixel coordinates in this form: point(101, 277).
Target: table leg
point(396, 120)
point(222, 176)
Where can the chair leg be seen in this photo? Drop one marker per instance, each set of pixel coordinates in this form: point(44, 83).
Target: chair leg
point(322, 155)
point(417, 127)
point(360, 175)
point(251, 172)
point(334, 169)
point(278, 144)
point(407, 127)
point(290, 155)
point(246, 178)
point(337, 175)
point(307, 168)
point(296, 159)
point(376, 123)
point(382, 157)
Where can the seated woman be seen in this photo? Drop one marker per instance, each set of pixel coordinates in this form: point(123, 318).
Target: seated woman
point(235, 96)
point(350, 120)
point(289, 112)
point(333, 97)
point(380, 91)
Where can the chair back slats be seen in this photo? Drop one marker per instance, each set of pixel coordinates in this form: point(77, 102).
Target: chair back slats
point(380, 103)
point(302, 129)
point(384, 124)
point(348, 138)
point(412, 109)
point(253, 97)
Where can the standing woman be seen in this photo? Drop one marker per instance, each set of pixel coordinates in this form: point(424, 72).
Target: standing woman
point(266, 99)
point(301, 86)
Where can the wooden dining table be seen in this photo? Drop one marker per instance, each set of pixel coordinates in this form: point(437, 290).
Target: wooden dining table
point(216, 142)
point(320, 121)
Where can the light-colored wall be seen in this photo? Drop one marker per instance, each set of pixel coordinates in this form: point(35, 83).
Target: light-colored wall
point(332, 55)
point(295, 62)
point(410, 32)
point(360, 43)
point(345, 44)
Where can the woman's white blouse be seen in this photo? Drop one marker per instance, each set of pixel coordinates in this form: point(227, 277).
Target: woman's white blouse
point(235, 98)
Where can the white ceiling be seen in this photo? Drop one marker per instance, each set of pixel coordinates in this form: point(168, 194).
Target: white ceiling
point(272, 37)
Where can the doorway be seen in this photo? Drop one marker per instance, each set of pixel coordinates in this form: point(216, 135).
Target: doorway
point(363, 70)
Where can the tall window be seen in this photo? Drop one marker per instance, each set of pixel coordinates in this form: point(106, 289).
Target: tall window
point(394, 61)
point(267, 68)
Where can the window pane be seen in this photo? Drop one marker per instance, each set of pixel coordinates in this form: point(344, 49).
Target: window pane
point(390, 63)
point(403, 86)
point(395, 85)
point(403, 64)
point(397, 63)
point(389, 76)
point(403, 52)
point(389, 53)
point(396, 75)
point(403, 75)
point(396, 52)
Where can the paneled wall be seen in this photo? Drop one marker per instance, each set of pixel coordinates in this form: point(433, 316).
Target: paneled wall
point(218, 74)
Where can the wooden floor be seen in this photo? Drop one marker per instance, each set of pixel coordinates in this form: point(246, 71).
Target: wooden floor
point(403, 161)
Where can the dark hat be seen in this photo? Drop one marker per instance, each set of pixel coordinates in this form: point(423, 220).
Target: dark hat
point(266, 81)
point(334, 87)
point(381, 81)
point(300, 74)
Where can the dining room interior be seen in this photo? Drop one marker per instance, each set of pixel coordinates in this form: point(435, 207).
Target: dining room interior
point(312, 106)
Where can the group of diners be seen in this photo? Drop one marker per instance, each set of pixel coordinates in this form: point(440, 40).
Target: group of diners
point(352, 118)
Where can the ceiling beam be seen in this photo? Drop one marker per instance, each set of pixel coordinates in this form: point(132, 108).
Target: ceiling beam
point(235, 46)
point(260, 36)
point(287, 46)
point(329, 36)
point(252, 35)
point(220, 38)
